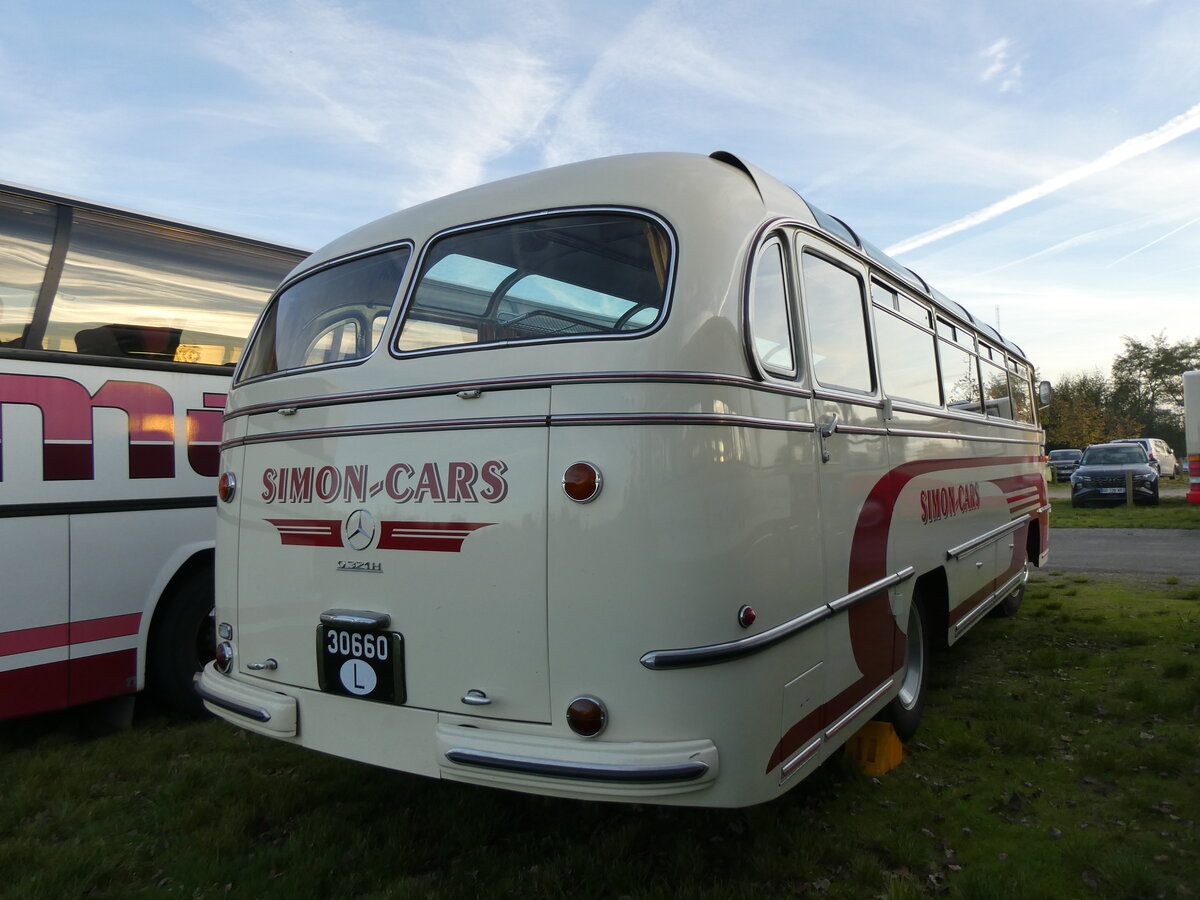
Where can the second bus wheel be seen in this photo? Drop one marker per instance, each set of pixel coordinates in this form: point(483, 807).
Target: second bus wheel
point(182, 642)
point(1010, 604)
point(904, 712)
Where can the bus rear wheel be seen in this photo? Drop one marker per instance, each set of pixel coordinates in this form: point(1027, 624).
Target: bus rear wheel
point(904, 712)
point(183, 641)
point(1010, 604)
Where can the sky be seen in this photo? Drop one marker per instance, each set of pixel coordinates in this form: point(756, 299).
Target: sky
point(1037, 162)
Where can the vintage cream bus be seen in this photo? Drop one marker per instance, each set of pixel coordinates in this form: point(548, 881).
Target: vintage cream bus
point(636, 479)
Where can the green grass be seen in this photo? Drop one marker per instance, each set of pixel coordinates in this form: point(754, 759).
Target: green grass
point(1059, 757)
point(1171, 512)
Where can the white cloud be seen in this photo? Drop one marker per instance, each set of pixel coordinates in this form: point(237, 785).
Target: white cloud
point(1128, 150)
point(437, 110)
point(1000, 69)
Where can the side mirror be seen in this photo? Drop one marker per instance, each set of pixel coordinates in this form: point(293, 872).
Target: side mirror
point(1045, 392)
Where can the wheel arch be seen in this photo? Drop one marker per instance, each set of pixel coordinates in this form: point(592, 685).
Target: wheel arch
point(932, 591)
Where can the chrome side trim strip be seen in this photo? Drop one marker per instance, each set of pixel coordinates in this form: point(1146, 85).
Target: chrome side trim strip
point(968, 547)
point(390, 428)
point(679, 419)
point(991, 600)
point(1042, 510)
point(858, 707)
point(802, 756)
point(690, 657)
point(947, 436)
point(863, 593)
point(258, 714)
point(528, 765)
point(526, 382)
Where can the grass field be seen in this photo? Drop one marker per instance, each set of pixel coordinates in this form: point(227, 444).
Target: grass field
point(1059, 758)
point(1171, 512)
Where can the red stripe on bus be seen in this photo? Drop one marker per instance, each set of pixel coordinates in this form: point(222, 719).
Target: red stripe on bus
point(878, 644)
point(102, 676)
point(29, 639)
point(446, 537)
point(33, 689)
point(102, 629)
point(309, 532)
point(36, 689)
point(47, 637)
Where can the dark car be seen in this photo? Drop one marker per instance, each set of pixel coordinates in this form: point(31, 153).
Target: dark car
point(1064, 462)
point(1101, 475)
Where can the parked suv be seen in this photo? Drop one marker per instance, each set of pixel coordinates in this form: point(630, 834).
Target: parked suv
point(1064, 462)
point(1162, 457)
point(1101, 474)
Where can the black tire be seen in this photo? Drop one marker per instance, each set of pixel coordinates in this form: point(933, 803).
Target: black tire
point(1008, 607)
point(1154, 498)
point(905, 709)
point(1076, 503)
point(182, 642)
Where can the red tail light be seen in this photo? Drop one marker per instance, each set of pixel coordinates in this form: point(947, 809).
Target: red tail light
point(582, 482)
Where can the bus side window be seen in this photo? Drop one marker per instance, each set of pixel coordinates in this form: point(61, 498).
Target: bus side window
point(907, 360)
point(833, 299)
point(995, 389)
point(960, 378)
point(26, 235)
point(769, 319)
point(1022, 393)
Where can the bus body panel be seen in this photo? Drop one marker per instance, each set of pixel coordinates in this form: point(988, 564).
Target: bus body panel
point(452, 549)
point(737, 593)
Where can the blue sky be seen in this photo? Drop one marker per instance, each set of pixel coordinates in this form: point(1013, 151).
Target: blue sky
point(1039, 162)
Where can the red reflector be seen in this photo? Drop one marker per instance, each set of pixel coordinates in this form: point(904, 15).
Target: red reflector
point(747, 616)
point(226, 486)
point(582, 482)
point(587, 716)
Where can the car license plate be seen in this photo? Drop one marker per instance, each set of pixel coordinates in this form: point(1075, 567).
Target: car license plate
point(1116, 490)
point(361, 663)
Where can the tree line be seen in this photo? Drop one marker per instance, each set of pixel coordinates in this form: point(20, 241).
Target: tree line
point(1141, 397)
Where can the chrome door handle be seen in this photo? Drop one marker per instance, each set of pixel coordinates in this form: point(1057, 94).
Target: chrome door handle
point(826, 431)
point(476, 697)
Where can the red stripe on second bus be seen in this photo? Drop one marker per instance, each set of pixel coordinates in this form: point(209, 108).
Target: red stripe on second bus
point(47, 637)
point(29, 639)
point(102, 629)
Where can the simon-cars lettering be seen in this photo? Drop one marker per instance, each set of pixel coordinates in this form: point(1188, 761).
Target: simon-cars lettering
point(946, 502)
point(451, 482)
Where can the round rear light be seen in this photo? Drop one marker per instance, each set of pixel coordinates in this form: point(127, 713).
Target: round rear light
point(582, 482)
point(587, 716)
point(224, 658)
point(226, 486)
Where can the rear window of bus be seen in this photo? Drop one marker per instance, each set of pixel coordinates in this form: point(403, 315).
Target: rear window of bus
point(561, 276)
point(334, 315)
